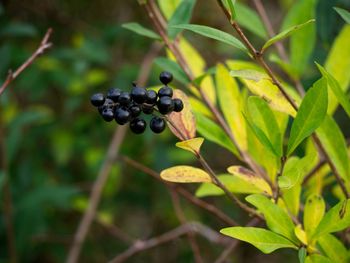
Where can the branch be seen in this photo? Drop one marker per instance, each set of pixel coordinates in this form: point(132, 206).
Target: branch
point(44, 45)
point(182, 191)
point(257, 56)
point(142, 245)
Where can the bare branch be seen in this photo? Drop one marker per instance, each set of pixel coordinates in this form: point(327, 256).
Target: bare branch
point(142, 245)
point(44, 45)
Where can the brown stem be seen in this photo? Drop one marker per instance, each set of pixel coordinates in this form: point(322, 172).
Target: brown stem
point(314, 170)
point(257, 56)
point(142, 245)
point(44, 45)
point(182, 191)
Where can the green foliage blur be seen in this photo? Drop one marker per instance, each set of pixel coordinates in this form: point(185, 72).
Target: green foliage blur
point(55, 142)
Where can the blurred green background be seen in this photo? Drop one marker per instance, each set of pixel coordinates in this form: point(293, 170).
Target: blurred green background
point(55, 142)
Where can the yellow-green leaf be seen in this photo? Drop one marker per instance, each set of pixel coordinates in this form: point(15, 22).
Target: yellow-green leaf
point(265, 240)
point(276, 218)
point(316, 258)
point(185, 174)
point(313, 212)
point(310, 115)
point(300, 234)
point(333, 248)
point(231, 104)
point(184, 121)
point(338, 64)
point(250, 177)
point(191, 145)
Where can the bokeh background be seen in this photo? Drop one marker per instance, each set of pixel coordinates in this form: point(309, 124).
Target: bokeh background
point(55, 142)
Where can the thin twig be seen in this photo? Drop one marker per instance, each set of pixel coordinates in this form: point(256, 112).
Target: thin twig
point(182, 218)
point(95, 196)
point(257, 56)
point(182, 191)
point(142, 245)
point(44, 45)
point(314, 170)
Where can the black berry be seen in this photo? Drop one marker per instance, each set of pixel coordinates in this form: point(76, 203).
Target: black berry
point(135, 110)
point(165, 91)
point(139, 95)
point(178, 105)
point(124, 98)
point(107, 114)
point(108, 103)
point(138, 125)
point(151, 97)
point(165, 105)
point(157, 124)
point(97, 99)
point(147, 109)
point(122, 116)
point(114, 94)
point(165, 77)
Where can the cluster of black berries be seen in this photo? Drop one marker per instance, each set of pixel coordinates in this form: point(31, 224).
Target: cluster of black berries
point(127, 107)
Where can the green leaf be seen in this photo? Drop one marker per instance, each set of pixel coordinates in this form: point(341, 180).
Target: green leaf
point(316, 258)
point(231, 104)
point(338, 64)
point(333, 248)
point(233, 183)
point(141, 30)
point(292, 174)
point(264, 124)
point(249, 19)
point(302, 42)
point(169, 65)
point(313, 212)
point(336, 89)
point(285, 33)
point(182, 15)
point(334, 143)
point(214, 34)
point(302, 255)
point(276, 218)
point(343, 13)
point(265, 240)
point(336, 219)
point(212, 132)
point(17, 29)
point(310, 115)
point(231, 4)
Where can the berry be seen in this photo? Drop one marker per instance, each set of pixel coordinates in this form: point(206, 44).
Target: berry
point(165, 91)
point(97, 99)
point(108, 103)
point(138, 125)
point(122, 116)
point(124, 98)
point(165, 77)
point(107, 114)
point(165, 105)
point(151, 97)
point(178, 105)
point(135, 110)
point(114, 94)
point(157, 124)
point(147, 109)
point(139, 95)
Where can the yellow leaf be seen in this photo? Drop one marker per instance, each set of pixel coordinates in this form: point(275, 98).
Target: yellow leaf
point(184, 121)
point(185, 174)
point(301, 234)
point(168, 7)
point(192, 145)
point(338, 65)
point(251, 178)
point(198, 106)
point(231, 104)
